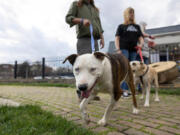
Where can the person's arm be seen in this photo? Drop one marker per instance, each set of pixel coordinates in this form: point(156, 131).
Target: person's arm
point(76, 20)
point(101, 31)
point(141, 38)
point(102, 41)
point(72, 19)
point(141, 42)
point(72, 13)
point(82, 21)
point(117, 44)
point(117, 38)
point(148, 35)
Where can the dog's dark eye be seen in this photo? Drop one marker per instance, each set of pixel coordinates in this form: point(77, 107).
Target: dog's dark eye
point(134, 64)
point(92, 69)
point(77, 69)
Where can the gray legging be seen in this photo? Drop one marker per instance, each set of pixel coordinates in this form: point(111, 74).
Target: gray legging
point(84, 46)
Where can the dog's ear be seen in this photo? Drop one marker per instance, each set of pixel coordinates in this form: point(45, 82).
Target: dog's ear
point(99, 55)
point(71, 58)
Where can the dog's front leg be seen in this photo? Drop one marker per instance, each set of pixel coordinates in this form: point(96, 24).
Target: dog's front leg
point(156, 89)
point(146, 104)
point(143, 91)
point(83, 105)
point(107, 113)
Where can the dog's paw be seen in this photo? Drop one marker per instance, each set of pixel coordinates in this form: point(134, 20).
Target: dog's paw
point(156, 100)
point(146, 105)
point(102, 122)
point(135, 111)
point(86, 119)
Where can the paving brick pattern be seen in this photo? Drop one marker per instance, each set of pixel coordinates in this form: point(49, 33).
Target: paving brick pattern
point(161, 118)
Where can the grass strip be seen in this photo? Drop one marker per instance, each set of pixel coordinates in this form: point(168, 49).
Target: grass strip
point(167, 91)
point(174, 91)
point(32, 120)
point(39, 84)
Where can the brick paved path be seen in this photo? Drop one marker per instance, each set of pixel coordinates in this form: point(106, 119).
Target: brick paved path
point(160, 119)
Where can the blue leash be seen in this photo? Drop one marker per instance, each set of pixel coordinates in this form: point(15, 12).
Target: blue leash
point(92, 38)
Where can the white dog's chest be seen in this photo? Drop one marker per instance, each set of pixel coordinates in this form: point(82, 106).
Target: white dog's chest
point(105, 87)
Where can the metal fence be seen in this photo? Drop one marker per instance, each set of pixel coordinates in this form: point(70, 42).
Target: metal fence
point(49, 68)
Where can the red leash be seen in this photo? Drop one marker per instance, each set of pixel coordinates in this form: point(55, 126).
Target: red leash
point(139, 50)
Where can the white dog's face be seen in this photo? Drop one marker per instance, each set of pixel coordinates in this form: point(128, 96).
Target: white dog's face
point(137, 67)
point(87, 69)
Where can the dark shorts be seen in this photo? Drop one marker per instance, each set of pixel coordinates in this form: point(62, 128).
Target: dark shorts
point(84, 46)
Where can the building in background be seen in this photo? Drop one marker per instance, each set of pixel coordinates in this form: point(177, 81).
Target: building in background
point(6, 71)
point(167, 44)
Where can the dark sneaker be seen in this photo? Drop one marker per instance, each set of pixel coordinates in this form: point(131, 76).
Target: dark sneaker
point(129, 93)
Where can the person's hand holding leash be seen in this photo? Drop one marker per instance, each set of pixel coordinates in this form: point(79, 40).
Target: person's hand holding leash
point(151, 37)
point(118, 51)
point(140, 46)
point(139, 51)
point(86, 22)
point(102, 41)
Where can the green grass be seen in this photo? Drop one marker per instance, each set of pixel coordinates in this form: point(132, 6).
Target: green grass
point(39, 84)
point(168, 91)
point(32, 120)
point(175, 91)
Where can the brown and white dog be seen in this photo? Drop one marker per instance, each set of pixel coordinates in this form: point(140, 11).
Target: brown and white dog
point(105, 71)
point(146, 76)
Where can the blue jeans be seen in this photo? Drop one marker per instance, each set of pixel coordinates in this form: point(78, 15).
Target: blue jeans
point(130, 56)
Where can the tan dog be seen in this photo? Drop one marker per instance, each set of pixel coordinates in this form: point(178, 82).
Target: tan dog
point(146, 76)
point(105, 72)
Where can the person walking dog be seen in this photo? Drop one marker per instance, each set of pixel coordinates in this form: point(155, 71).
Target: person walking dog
point(128, 35)
point(82, 14)
point(148, 43)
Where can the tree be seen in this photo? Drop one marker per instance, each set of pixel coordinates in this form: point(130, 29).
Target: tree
point(36, 69)
point(24, 70)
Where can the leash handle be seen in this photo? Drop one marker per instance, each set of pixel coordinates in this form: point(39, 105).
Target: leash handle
point(92, 38)
point(139, 49)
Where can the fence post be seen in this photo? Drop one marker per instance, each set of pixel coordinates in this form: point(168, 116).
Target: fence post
point(15, 69)
point(43, 68)
point(167, 53)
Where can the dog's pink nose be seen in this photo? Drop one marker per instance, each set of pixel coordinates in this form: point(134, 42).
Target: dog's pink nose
point(82, 87)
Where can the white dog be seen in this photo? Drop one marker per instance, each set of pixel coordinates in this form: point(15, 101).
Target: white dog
point(145, 75)
point(105, 71)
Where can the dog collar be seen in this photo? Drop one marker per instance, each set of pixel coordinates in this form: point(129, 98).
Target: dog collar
point(146, 71)
point(141, 77)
